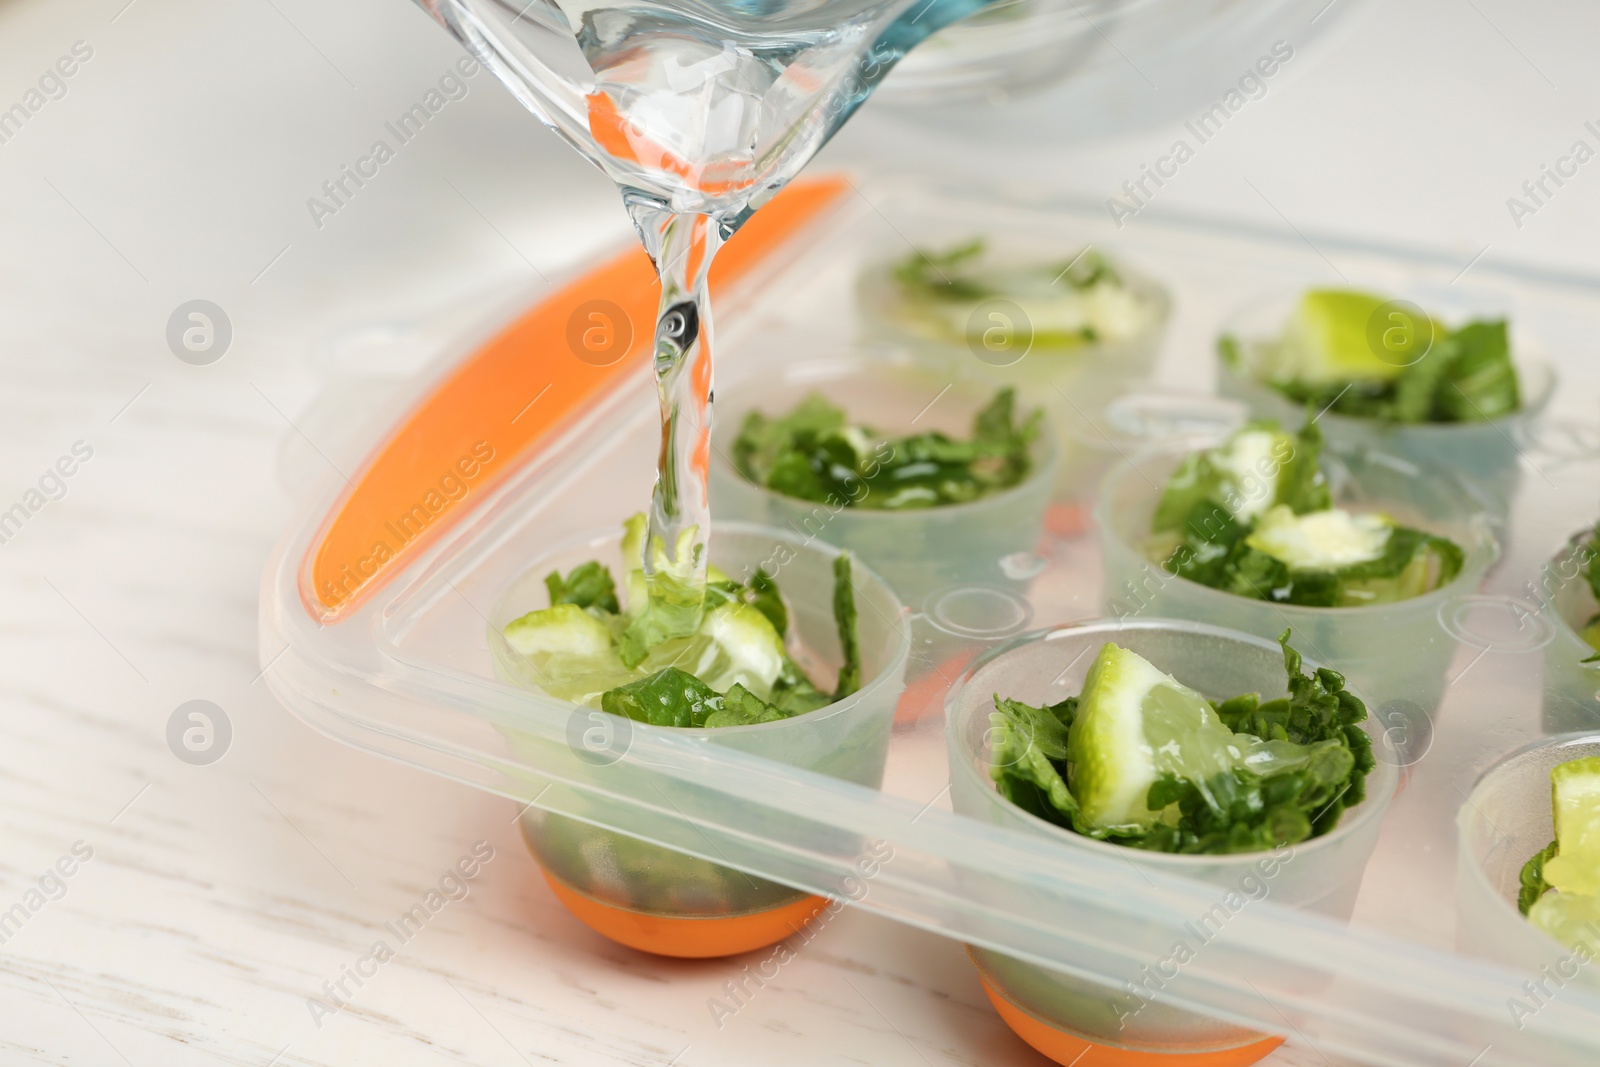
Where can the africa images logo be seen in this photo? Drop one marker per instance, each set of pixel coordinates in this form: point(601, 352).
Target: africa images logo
point(350, 179)
point(1139, 191)
point(451, 488)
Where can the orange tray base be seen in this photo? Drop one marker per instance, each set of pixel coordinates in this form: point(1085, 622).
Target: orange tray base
point(1066, 519)
point(1069, 1049)
point(686, 938)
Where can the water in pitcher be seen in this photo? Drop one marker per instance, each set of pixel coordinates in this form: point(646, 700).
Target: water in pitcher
point(700, 111)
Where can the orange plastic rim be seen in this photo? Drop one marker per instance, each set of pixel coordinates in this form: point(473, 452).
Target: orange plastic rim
point(1066, 520)
point(686, 938)
point(1069, 1049)
point(509, 399)
point(927, 692)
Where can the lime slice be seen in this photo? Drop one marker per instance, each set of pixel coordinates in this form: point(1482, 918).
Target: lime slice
point(1135, 724)
point(742, 647)
point(1575, 787)
point(1243, 474)
point(1571, 919)
point(572, 654)
point(564, 629)
point(1427, 571)
point(1326, 341)
point(1321, 540)
point(1246, 461)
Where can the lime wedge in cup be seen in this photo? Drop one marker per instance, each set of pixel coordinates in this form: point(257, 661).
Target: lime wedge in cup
point(1570, 918)
point(1329, 340)
point(1135, 724)
point(1575, 868)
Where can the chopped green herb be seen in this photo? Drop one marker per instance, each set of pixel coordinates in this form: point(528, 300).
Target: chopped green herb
point(1328, 358)
point(1481, 382)
point(1069, 302)
point(673, 655)
point(740, 707)
point(939, 274)
point(762, 594)
point(794, 694)
point(665, 604)
point(844, 617)
point(1532, 879)
point(1259, 467)
point(814, 454)
point(1197, 776)
point(959, 273)
point(1560, 885)
point(589, 585)
point(1253, 517)
point(669, 697)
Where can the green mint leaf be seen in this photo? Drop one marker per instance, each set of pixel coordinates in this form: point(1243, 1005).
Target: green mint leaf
point(1301, 484)
point(669, 697)
point(1023, 771)
point(1416, 393)
point(1466, 376)
point(1211, 538)
point(1040, 727)
point(1482, 382)
point(793, 475)
point(588, 585)
point(844, 618)
point(995, 423)
point(939, 275)
point(1237, 477)
point(794, 692)
point(812, 454)
point(1532, 879)
point(740, 707)
point(763, 440)
point(761, 593)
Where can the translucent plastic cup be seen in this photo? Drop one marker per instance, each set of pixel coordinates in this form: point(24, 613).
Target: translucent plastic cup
point(1057, 1012)
point(1075, 385)
point(1504, 823)
point(664, 894)
point(1488, 451)
point(920, 552)
point(1571, 686)
point(1398, 652)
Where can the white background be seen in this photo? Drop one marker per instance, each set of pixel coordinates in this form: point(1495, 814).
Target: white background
point(177, 166)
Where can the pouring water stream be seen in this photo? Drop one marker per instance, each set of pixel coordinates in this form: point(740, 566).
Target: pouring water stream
point(700, 111)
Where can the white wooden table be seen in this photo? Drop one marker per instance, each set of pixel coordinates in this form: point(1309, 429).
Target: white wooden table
point(175, 165)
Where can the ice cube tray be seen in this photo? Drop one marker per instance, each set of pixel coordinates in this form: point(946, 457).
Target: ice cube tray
point(373, 613)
